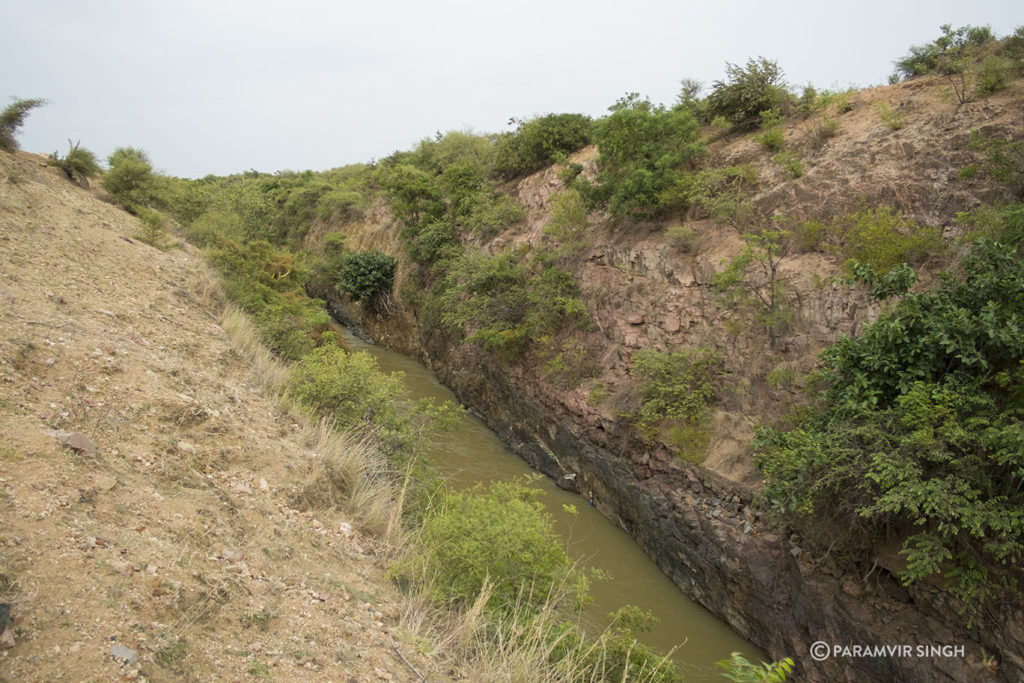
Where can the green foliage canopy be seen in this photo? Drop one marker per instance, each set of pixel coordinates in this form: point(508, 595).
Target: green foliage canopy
point(540, 142)
point(642, 149)
point(747, 92)
point(366, 275)
point(130, 180)
point(921, 431)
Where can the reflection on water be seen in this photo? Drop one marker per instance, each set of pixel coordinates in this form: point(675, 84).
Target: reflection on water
point(472, 453)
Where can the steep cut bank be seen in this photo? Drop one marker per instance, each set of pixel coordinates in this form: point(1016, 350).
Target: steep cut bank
point(643, 290)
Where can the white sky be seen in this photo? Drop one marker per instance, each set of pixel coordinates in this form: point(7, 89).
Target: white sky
point(214, 86)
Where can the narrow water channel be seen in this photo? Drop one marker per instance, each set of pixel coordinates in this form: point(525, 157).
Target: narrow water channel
point(472, 454)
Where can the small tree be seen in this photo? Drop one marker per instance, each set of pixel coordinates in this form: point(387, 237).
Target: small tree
point(12, 118)
point(747, 91)
point(130, 180)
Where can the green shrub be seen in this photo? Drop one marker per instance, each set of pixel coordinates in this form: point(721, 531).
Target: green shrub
point(130, 181)
point(341, 204)
point(1001, 223)
point(366, 275)
point(773, 135)
point(215, 225)
point(791, 161)
point(676, 391)
point(642, 149)
point(78, 162)
point(748, 91)
point(568, 218)
point(154, 229)
point(12, 118)
point(945, 53)
point(347, 386)
point(994, 73)
point(753, 284)
point(683, 237)
point(505, 305)
point(808, 235)
point(882, 239)
point(827, 128)
point(501, 536)
point(1004, 159)
point(724, 192)
point(740, 670)
point(413, 194)
point(490, 212)
point(919, 432)
point(893, 118)
point(540, 142)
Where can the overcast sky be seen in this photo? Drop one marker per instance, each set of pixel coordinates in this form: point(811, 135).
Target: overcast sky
point(211, 86)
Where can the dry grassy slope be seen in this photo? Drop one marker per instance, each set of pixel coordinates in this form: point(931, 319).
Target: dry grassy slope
point(177, 539)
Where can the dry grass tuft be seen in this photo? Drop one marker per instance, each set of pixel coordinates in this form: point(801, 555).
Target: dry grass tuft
point(270, 373)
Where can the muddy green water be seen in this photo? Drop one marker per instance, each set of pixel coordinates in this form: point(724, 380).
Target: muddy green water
point(472, 453)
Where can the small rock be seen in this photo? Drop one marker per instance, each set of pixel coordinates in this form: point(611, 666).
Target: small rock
point(851, 588)
point(264, 486)
point(76, 441)
point(186, 447)
point(125, 654)
point(104, 482)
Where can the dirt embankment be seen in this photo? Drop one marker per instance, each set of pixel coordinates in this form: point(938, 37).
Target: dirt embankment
point(166, 541)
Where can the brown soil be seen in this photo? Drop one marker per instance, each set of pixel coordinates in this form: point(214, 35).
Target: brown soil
point(177, 539)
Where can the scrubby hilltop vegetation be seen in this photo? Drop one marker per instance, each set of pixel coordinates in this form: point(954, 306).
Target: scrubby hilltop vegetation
point(664, 278)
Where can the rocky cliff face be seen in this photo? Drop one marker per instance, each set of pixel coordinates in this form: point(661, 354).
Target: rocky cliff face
point(644, 291)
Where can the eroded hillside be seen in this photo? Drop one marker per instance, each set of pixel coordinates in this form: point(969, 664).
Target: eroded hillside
point(165, 540)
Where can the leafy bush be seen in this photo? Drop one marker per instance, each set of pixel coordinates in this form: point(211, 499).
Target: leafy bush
point(500, 535)
point(568, 218)
point(77, 162)
point(154, 229)
point(12, 118)
point(919, 433)
point(753, 283)
point(642, 149)
point(130, 180)
point(347, 386)
point(791, 161)
point(1001, 223)
point(1004, 159)
point(882, 239)
point(489, 212)
point(215, 225)
point(540, 142)
point(366, 275)
point(773, 135)
point(893, 118)
point(413, 194)
point(676, 391)
point(503, 305)
point(944, 54)
point(748, 91)
point(724, 192)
